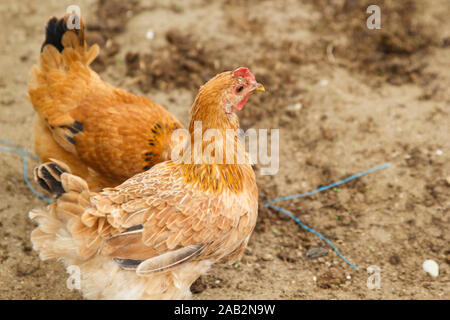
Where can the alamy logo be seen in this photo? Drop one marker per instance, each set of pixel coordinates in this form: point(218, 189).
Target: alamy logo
point(74, 280)
point(73, 22)
point(374, 281)
point(213, 146)
point(374, 20)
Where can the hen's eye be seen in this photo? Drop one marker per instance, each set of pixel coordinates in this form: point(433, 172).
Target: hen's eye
point(239, 89)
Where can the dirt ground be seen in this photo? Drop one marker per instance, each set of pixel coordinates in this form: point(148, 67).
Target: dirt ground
point(345, 99)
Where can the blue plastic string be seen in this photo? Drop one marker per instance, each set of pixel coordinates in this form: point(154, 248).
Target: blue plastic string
point(296, 196)
point(304, 226)
point(17, 148)
point(22, 154)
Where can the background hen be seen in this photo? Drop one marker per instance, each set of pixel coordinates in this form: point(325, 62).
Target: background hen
point(103, 133)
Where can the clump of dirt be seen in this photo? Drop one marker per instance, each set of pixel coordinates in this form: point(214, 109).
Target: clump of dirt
point(112, 18)
point(184, 62)
point(199, 286)
point(332, 278)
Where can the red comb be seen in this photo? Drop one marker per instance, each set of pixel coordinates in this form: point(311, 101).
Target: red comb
point(243, 72)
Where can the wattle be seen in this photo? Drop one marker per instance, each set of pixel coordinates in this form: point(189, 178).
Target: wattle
point(241, 104)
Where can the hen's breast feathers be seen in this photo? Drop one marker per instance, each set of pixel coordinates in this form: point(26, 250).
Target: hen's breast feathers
point(156, 213)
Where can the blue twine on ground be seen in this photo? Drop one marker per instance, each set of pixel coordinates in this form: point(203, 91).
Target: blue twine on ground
point(22, 154)
point(296, 196)
point(304, 226)
point(32, 156)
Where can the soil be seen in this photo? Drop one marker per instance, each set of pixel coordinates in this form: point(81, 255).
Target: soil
point(345, 99)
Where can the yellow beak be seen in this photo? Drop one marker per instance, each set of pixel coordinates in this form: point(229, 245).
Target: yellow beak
point(259, 87)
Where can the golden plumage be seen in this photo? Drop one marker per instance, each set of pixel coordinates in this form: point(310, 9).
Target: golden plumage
point(103, 133)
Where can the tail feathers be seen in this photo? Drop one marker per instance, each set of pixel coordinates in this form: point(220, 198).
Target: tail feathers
point(57, 28)
point(56, 178)
point(52, 239)
point(66, 33)
point(58, 224)
point(63, 76)
point(48, 176)
point(54, 31)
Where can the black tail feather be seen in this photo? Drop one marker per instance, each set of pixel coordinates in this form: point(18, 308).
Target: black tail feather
point(48, 176)
point(55, 30)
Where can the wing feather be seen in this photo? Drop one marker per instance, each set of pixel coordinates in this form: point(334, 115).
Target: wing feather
point(169, 259)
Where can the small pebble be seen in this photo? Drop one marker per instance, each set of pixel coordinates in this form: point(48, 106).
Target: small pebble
point(431, 267)
point(267, 257)
point(349, 277)
point(314, 253)
point(294, 107)
point(150, 34)
point(439, 152)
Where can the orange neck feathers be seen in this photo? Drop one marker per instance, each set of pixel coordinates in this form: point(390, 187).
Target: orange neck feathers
point(203, 168)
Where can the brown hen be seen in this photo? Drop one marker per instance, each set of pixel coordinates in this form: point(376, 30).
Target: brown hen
point(103, 133)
